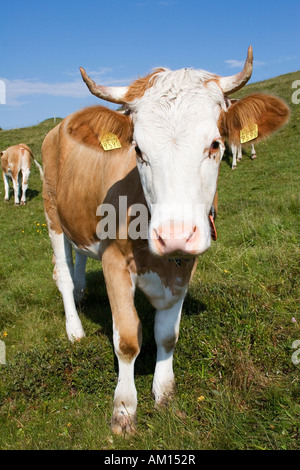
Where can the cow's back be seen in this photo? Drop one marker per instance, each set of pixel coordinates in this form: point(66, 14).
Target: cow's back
point(15, 158)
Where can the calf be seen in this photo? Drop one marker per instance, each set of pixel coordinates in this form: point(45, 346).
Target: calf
point(16, 164)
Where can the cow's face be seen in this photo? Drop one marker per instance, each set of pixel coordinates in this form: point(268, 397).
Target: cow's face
point(179, 149)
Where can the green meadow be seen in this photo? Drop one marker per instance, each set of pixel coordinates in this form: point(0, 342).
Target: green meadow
point(237, 385)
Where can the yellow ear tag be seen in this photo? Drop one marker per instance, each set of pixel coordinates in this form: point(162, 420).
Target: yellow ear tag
point(249, 133)
point(110, 142)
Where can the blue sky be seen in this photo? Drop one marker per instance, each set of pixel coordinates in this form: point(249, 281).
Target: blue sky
point(43, 43)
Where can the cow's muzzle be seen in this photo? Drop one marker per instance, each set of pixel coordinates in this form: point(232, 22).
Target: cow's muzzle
point(174, 241)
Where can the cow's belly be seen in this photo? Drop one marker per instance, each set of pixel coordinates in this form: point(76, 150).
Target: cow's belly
point(160, 296)
point(92, 251)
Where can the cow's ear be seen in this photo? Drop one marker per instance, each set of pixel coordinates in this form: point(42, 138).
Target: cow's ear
point(264, 113)
point(90, 125)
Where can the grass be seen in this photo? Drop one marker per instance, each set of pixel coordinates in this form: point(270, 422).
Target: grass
point(237, 387)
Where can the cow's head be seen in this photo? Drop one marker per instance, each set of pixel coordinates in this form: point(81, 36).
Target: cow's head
point(181, 119)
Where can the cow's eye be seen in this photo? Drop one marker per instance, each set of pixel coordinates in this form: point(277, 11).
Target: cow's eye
point(214, 148)
point(139, 155)
point(215, 145)
point(138, 151)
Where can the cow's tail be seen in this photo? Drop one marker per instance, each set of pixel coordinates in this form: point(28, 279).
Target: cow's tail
point(39, 167)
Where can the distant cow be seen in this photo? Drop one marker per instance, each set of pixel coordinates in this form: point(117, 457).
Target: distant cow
point(161, 157)
point(237, 148)
point(236, 151)
point(16, 164)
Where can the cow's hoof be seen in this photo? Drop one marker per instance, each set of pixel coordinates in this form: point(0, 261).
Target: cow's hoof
point(253, 157)
point(234, 167)
point(163, 401)
point(6, 200)
point(123, 423)
point(75, 332)
point(23, 203)
point(163, 392)
point(17, 203)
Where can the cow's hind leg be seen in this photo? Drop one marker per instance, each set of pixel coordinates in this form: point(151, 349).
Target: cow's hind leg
point(25, 176)
point(127, 337)
point(234, 152)
point(6, 186)
point(166, 330)
point(253, 152)
point(79, 277)
point(16, 185)
point(240, 153)
point(64, 276)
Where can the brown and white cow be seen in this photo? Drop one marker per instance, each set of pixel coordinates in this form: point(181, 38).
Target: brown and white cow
point(16, 164)
point(167, 164)
point(237, 149)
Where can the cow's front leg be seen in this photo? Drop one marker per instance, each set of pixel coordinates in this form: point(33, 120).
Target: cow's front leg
point(127, 338)
point(63, 275)
point(166, 330)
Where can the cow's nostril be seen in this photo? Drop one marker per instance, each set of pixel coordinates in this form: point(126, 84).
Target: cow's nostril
point(192, 235)
point(158, 238)
point(168, 241)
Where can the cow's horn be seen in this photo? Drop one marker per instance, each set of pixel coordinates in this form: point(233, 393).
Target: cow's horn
point(235, 82)
point(113, 94)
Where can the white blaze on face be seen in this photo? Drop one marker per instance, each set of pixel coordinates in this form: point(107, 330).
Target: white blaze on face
point(175, 129)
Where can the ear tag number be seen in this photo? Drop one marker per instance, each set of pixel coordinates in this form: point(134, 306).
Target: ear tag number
point(110, 142)
point(248, 133)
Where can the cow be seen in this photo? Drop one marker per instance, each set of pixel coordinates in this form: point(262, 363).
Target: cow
point(16, 164)
point(237, 149)
point(162, 155)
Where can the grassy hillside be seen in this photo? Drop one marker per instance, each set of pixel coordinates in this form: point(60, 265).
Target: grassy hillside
point(237, 387)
